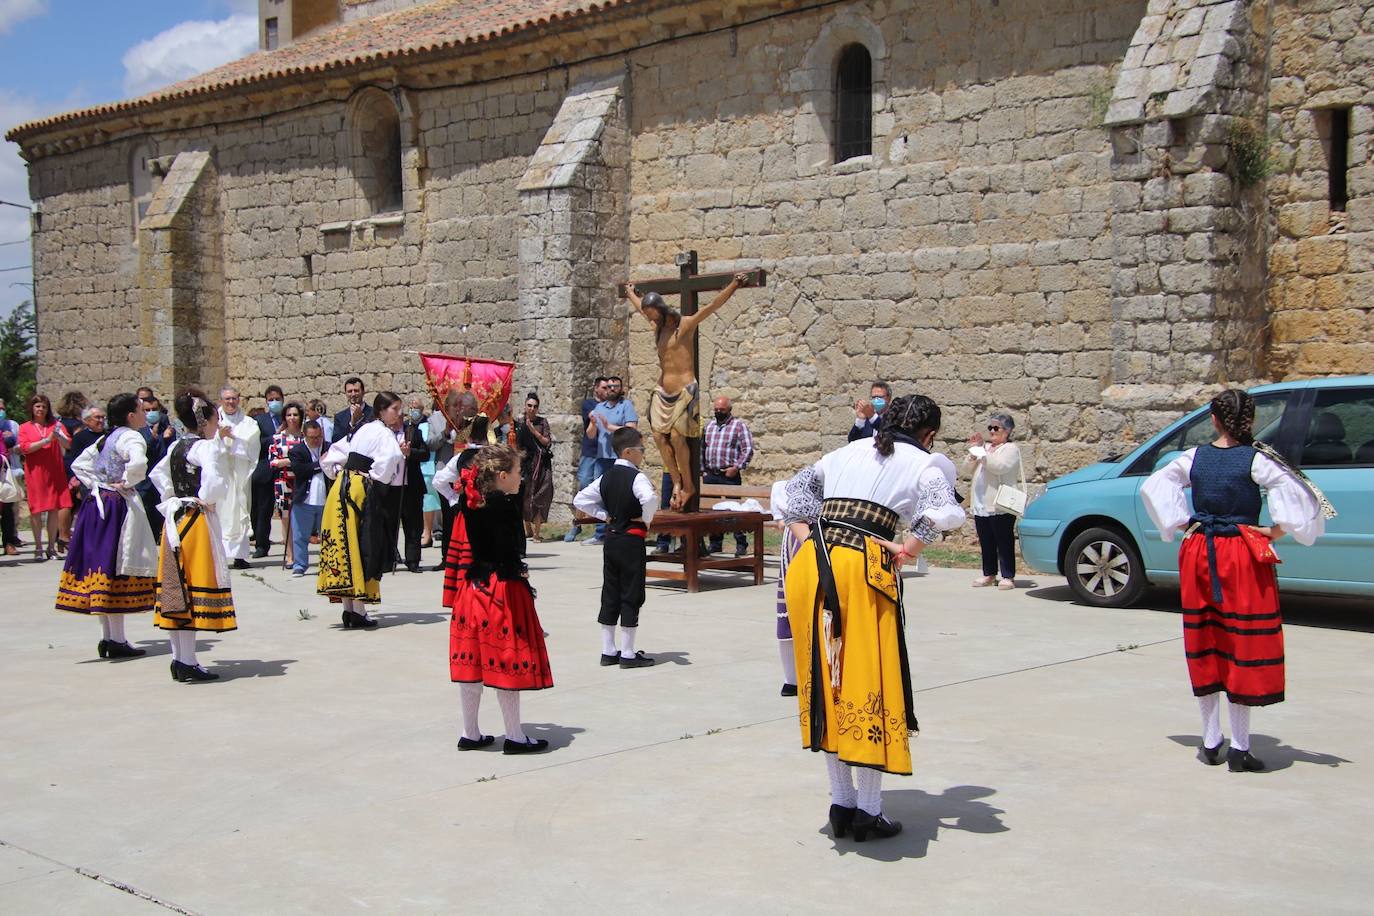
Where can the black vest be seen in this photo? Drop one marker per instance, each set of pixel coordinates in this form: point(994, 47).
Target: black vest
point(185, 476)
point(618, 496)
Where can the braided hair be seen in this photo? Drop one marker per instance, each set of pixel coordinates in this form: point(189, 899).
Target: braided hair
point(910, 416)
point(490, 461)
point(1235, 410)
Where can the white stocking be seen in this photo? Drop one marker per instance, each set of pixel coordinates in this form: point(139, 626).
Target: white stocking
point(841, 782)
point(1240, 726)
point(607, 640)
point(510, 711)
point(105, 627)
point(627, 641)
point(789, 661)
point(870, 790)
point(472, 701)
point(116, 623)
point(1211, 719)
point(175, 644)
point(186, 647)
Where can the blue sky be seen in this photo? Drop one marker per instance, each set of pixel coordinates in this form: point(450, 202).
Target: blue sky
point(57, 55)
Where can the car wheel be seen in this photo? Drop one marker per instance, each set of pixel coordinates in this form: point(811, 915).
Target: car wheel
point(1104, 568)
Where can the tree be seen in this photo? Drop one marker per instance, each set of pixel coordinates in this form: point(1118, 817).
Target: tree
point(18, 359)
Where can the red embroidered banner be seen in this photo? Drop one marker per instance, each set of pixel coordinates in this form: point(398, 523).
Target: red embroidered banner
point(489, 380)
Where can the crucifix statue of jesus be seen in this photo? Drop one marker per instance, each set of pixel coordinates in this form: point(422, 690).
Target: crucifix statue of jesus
point(674, 412)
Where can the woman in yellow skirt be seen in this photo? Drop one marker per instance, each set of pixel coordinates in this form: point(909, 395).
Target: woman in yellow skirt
point(362, 512)
point(193, 591)
point(844, 602)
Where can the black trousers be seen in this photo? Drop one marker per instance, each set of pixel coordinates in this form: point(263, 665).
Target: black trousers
point(263, 501)
point(9, 532)
point(997, 539)
point(741, 539)
point(412, 522)
point(622, 579)
point(446, 514)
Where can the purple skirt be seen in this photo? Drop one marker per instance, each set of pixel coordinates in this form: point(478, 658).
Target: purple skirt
point(89, 583)
point(788, 551)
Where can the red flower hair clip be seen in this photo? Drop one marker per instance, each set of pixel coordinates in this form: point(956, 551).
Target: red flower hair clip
point(474, 495)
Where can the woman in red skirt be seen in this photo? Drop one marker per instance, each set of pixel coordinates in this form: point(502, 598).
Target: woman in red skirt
point(1232, 628)
point(495, 638)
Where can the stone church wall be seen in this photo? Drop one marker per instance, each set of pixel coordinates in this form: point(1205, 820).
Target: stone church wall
point(968, 258)
point(1321, 261)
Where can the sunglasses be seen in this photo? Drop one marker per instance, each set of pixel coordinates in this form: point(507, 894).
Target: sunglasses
point(994, 429)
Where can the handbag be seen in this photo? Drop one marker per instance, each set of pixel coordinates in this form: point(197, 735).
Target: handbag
point(1009, 499)
point(1261, 548)
point(9, 490)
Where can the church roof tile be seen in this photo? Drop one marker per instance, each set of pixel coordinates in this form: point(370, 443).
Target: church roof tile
point(409, 32)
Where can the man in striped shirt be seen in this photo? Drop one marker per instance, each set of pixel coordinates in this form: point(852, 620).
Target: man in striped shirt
point(729, 448)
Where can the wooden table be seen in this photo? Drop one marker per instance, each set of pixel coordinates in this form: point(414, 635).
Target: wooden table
point(692, 528)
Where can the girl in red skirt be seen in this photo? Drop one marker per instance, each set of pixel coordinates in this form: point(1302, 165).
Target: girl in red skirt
point(1232, 628)
point(495, 637)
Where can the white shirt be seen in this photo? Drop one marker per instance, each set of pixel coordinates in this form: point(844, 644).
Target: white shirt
point(588, 500)
point(377, 441)
point(992, 467)
point(213, 457)
point(315, 494)
point(1291, 505)
point(132, 449)
point(447, 476)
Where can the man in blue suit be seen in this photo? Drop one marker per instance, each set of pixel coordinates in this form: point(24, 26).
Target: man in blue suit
point(355, 414)
point(264, 500)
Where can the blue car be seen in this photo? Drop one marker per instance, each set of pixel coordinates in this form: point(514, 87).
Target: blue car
point(1091, 526)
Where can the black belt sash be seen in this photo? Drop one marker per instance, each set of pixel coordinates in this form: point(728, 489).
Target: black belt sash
point(844, 523)
point(1215, 526)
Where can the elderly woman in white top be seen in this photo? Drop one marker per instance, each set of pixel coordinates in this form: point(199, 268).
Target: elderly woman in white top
point(996, 461)
point(361, 513)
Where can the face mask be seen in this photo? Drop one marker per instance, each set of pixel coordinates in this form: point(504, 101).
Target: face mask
point(154, 417)
point(722, 416)
point(3, 415)
point(415, 416)
point(274, 406)
point(879, 403)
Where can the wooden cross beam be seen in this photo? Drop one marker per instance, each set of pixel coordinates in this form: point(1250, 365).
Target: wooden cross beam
point(686, 285)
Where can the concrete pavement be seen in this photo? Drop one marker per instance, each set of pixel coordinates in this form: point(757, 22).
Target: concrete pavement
point(1056, 771)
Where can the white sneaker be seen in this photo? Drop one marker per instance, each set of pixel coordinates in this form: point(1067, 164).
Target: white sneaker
point(1006, 585)
point(982, 581)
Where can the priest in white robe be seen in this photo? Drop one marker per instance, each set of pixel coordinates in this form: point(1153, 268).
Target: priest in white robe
point(234, 511)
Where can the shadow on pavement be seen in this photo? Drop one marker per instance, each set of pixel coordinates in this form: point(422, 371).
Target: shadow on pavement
point(152, 649)
point(1331, 612)
point(230, 669)
point(671, 658)
point(393, 620)
point(557, 735)
point(1274, 753)
point(923, 816)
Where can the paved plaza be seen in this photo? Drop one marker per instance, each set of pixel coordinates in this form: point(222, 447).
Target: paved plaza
point(1056, 772)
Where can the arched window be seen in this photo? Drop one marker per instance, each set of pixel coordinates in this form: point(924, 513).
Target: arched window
point(377, 150)
point(853, 103)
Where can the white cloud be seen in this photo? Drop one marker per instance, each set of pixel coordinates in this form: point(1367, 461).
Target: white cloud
point(13, 12)
point(186, 49)
point(14, 187)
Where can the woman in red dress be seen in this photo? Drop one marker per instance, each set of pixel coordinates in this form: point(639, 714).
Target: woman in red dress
point(42, 442)
point(496, 639)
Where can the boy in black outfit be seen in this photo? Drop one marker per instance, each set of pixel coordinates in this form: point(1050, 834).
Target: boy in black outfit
point(626, 501)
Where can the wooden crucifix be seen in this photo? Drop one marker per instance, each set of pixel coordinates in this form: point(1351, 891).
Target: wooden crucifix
point(674, 409)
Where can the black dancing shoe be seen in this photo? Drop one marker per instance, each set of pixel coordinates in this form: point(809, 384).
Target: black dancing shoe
point(184, 672)
point(788, 690)
point(103, 648)
point(352, 619)
point(1243, 762)
point(173, 666)
point(123, 650)
point(468, 744)
point(528, 747)
point(241, 564)
point(841, 819)
point(875, 825)
point(639, 661)
point(608, 660)
point(1212, 755)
